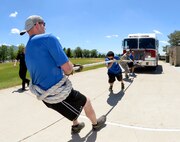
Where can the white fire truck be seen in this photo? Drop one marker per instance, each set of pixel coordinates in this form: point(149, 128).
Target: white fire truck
point(145, 48)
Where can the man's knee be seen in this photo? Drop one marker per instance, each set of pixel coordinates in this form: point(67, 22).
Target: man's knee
point(88, 103)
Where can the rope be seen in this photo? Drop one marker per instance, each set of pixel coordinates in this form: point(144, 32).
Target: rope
point(80, 67)
point(55, 94)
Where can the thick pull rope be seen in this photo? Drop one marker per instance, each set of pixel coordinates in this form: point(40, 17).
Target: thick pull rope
point(122, 59)
point(55, 94)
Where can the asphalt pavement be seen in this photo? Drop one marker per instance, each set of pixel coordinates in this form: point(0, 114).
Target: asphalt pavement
point(146, 111)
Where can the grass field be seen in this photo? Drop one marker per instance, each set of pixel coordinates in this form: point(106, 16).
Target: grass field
point(9, 74)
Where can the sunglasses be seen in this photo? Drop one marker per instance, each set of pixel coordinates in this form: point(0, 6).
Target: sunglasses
point(44, 24)
point(110, 58)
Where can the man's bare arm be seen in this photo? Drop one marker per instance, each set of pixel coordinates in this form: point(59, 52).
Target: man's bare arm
point(67, 68)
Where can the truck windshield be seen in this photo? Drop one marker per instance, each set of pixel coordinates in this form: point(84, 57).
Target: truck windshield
point(147, 43)
point(130, 43)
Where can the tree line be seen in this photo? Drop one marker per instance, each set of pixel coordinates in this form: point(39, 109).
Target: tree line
point(9, 53)
point(82, 53)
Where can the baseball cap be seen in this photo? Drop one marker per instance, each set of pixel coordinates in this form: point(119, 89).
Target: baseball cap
point(110, 53)
point(30, 22)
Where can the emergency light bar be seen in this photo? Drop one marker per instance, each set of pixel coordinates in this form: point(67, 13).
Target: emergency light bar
point(142, 35)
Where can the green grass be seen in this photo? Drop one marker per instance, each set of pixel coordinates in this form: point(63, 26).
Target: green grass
point(9, 74)
point(83, 61)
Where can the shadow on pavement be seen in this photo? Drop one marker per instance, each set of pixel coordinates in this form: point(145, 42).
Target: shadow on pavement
point(115, 98)
point(150, 70)
point(19, 90)
point(90, 137)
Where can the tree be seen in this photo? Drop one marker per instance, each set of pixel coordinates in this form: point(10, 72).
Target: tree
point(101, 55)
point(20, 48)
point(11, 53)
point(94, 53)
point(68, 53)
point(78, 52)
point(165, 48)
point(174, 38)
point(86, 53)
point(3, 53)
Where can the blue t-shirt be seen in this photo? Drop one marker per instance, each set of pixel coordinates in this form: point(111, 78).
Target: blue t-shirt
point(131, 57)
point(44, 57)
point(115, 68)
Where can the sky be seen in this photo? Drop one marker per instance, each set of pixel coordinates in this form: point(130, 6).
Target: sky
point(91, 24)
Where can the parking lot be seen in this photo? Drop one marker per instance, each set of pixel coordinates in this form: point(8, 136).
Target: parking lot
point(146, 111)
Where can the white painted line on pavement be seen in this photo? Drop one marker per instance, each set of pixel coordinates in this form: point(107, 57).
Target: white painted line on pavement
point(139, 127)
point(144, 128)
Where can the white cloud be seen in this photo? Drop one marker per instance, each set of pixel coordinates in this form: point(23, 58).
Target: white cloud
point(108, 36)
point(115, 35)
point(112, 36)
point(164, 42)
point(157, 32)
point(13, 14)
point(5, 44)
point(15, 31)
point(18, 45)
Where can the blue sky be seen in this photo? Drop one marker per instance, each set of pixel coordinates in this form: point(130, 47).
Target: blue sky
point(91, 24)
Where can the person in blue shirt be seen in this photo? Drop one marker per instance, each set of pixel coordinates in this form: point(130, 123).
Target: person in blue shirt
point(114, 70)
point(131, 65)
point(49, 69)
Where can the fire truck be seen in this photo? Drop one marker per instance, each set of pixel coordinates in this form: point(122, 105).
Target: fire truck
point(145, 48)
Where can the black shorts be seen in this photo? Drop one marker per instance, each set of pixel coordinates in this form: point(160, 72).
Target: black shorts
point(71, 107)
point(130, 64)
point(112, 77)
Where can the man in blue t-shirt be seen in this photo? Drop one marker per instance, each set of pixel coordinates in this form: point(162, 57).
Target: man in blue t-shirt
point(49, 67)
point(114, 70)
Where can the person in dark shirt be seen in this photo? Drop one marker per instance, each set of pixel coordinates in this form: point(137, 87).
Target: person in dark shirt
point(22, 68)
